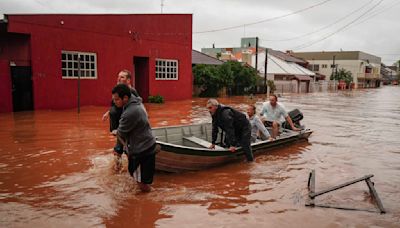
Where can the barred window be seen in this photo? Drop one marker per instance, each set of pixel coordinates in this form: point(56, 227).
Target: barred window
point(69, 65)
point(166, 69)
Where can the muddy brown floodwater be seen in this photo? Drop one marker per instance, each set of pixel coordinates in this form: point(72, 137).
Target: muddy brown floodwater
point(55, 169)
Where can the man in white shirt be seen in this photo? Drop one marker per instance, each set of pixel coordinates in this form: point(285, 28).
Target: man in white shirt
point(272, 113)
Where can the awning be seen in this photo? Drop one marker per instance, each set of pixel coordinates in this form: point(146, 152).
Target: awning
point(303, 77)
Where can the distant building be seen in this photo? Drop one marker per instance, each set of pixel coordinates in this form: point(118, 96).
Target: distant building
point(389, 74)
point(39, 58)
point(286, 71)
point(365, 68)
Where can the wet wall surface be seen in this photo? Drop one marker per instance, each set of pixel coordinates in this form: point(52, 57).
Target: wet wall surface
point(55, 169)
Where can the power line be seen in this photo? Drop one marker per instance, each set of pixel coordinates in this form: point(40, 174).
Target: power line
point(322, 28)
point(336, 31)
point(396, 2)
point(262, 21)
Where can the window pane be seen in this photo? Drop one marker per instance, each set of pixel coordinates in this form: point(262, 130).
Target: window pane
point(64, 73)
point(63, 56)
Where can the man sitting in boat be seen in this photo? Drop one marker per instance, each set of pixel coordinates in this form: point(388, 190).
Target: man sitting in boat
point(272, 113)
point(258, 129)
point(235, 125)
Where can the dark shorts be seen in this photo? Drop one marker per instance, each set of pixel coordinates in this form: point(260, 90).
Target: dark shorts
point(269, 123)
point(147, 163)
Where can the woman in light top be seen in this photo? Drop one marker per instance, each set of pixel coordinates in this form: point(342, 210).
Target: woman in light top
point(257, 127)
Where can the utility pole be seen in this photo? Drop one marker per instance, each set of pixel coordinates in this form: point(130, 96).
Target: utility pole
point(79, 83)
point(265, 71)
point(256, 53)
point(333, 66)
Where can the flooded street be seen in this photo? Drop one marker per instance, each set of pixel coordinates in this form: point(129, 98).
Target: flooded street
point(55, 169)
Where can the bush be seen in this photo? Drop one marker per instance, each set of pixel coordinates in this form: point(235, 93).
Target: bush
point(156, 99)
point(271, 85)
point(344, 75)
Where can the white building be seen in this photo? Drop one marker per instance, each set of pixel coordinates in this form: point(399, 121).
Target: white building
point(364, 67)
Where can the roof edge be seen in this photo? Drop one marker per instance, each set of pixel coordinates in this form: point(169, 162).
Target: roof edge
point(3, 18)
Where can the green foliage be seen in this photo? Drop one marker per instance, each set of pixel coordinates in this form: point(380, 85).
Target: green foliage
point(271, 85)
point(156, 99)
point(234, 76)
point(344, 75)
point(206, 77)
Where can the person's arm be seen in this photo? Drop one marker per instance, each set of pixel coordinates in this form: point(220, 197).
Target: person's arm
point(261, 127)
point(106, 115)
point(289, 120)
point(214, 133)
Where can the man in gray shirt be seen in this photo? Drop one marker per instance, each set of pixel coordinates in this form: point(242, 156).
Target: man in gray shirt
point(135, 133)
point(258, 129)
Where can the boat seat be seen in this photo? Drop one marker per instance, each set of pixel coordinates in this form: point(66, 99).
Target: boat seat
point(201, 142)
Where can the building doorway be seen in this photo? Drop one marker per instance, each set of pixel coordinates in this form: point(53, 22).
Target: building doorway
point(141, 67)
point(22, 94)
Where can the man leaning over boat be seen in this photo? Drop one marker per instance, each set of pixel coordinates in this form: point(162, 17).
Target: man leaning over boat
point(235, 125)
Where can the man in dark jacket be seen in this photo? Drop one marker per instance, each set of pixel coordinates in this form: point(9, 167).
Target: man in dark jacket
point(235, 125)
point(135, 132)
point(114, 113)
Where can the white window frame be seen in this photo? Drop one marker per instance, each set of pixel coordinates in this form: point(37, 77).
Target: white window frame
point(69, 66)
point(167, 69)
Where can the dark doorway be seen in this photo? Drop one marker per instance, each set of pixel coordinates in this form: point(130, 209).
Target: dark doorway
point(21, 79)
point(141, 66)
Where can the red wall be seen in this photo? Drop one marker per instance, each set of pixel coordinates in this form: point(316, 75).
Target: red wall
point(116, 39)
point(5, 87)
point(13, 48)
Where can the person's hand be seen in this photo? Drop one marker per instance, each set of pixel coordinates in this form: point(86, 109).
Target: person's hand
point(212, 146)
point(232, 149)
point(116, 153)
point(105, 116)
point(114, 132)
point(296, 129)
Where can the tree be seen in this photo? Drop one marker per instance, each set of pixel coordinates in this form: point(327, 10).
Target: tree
point(244, 78)
point(344, 75)
point(206, 77)
point(237, 78)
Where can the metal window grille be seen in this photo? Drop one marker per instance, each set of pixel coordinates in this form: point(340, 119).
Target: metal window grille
point(69, 65)
point(166, 69)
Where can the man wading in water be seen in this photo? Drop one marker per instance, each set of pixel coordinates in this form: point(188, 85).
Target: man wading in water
point(134, 129)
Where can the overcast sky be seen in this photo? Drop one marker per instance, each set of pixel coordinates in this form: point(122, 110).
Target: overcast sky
point(372, 26)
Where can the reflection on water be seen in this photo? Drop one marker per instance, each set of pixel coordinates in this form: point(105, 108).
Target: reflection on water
point(55, 169)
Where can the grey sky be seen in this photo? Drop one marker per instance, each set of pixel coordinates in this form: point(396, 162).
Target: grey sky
point(372, 26)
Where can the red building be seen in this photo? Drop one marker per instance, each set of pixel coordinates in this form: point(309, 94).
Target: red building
point(39, 56)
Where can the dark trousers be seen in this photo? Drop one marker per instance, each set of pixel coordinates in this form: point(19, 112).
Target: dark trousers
point(147, 163)
point(245, 141)
point(243, 138)
point(115, 115)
